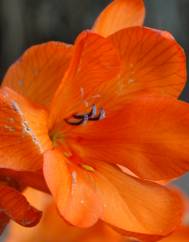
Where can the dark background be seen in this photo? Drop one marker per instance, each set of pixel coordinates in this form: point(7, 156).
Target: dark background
point(27, 22)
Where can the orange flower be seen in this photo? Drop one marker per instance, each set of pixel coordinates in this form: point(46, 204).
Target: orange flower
point(60, 231)
point(52, 228)
point(80, 111)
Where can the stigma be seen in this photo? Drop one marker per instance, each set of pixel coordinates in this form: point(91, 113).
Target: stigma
point(92, 115)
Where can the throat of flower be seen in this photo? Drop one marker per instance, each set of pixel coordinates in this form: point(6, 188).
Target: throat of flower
point(57, 138)
point(59, 141)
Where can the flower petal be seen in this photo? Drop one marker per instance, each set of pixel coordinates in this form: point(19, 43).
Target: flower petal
point(180, 235)
point(52, 227)
point(25, 178)
point(149, 136)
point(60, 231)
point(39, 71)
point(14, 204)
point(118, 15)
point(100, 233)
point(23, 132)
point(73, 189)
point(152, 62)
point(95, 62)
point(164, 33)
point(141, 207)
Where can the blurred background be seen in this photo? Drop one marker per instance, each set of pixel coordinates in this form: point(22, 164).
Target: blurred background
point(25, 22)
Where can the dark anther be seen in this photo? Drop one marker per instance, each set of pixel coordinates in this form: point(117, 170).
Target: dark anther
point(82, 120)
point(78, 119)
point(91, 114)
point(100, 116)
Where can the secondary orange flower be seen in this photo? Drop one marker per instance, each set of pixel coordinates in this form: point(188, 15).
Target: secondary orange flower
point(79, 111)
point(13, 204)
point(180, 235)
point(58, 230)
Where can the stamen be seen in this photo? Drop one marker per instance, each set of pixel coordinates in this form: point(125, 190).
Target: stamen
point(100, 116)
point(91, 114)
point(93, 111)
point(84, 118)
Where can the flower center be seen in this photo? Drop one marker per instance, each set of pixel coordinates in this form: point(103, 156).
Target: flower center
point(92, 115)
point(60, 136)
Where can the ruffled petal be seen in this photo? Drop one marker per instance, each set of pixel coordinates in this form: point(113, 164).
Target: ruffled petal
point(180, 235)
point(59, 229)
point(24, 179)
point(38, 72)
point(52, 227)
point(139, 208)
point(23, 132)
point(16, 207)
point(95, 62)
point(118, 15)
point(152, 62)
point(100, 233)
point(73, 189)
point(149, 137)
